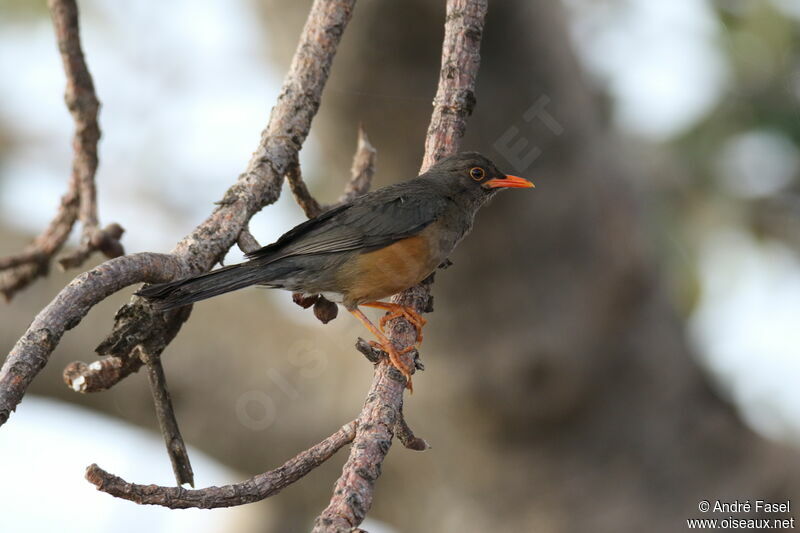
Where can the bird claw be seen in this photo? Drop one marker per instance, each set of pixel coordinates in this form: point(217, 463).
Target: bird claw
point(384, 343)
point(396, 360)
point(417, 320)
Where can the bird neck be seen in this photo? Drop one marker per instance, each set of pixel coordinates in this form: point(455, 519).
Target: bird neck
point(469, 199)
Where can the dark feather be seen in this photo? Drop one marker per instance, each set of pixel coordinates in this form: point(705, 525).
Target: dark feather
point(230, 278)
point(367, 223)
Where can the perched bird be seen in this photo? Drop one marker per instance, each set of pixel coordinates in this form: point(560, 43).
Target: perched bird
point(367, 249)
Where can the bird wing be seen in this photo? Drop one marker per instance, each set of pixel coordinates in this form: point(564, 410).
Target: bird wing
point(369, 222)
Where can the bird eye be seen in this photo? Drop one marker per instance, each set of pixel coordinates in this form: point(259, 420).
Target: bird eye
point(477, 173)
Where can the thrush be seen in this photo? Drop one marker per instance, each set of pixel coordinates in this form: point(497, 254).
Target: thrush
point(365, 250)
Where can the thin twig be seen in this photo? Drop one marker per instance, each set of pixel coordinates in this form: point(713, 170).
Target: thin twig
point(362, 170)
point(34, 261)
point(353, 492)
point(176, 448)
point(372, 354)
point(82, 103)
point(22, 269)
point(246, 242)
point(252, 490)
point(100, 375)
point(406, 436)
point(302, 195)
point(80, 201)
point(106, 240)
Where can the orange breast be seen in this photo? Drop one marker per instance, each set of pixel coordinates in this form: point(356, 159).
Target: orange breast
point(378, 274)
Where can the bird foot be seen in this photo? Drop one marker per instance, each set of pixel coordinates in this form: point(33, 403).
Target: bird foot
point(385, 344)
point(396, 359)
point(417, 320)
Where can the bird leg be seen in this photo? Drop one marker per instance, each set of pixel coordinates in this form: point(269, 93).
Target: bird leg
point(386, 345)
point(396, 311)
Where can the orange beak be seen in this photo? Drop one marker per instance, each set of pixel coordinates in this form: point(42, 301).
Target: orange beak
point(511, 182)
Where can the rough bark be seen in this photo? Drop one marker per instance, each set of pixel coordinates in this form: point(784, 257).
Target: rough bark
point(353, 492)
point(33, 350)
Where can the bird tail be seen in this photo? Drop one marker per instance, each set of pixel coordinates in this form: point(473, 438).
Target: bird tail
point(173, 294)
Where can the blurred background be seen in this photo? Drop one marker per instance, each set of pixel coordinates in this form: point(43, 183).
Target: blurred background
point(606, 351)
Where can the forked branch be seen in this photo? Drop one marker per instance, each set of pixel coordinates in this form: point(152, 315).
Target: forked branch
point(80, 201)
point(136, 323)
point(31, 352)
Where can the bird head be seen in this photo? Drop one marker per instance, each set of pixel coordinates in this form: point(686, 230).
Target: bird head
point(474, 177)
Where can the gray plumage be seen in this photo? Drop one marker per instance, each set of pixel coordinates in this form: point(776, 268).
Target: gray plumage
point(310, 257)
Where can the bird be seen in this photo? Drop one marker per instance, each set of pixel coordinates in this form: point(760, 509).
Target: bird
point(365, 250)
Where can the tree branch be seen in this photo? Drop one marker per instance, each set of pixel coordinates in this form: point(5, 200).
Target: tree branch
point(80, 201)
point(406, 436)
point(302, 195)
point(246, 242)
point(353, 492)
point(105, 373)
point(102, 374)
point(167, 422)
point(136, 323)
point(34, 261)
point(108, 371)
point(260, 184)
point(252, 490)
point(82, 103)
point(455, 95)
point(362, 170)
point(31, 352)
